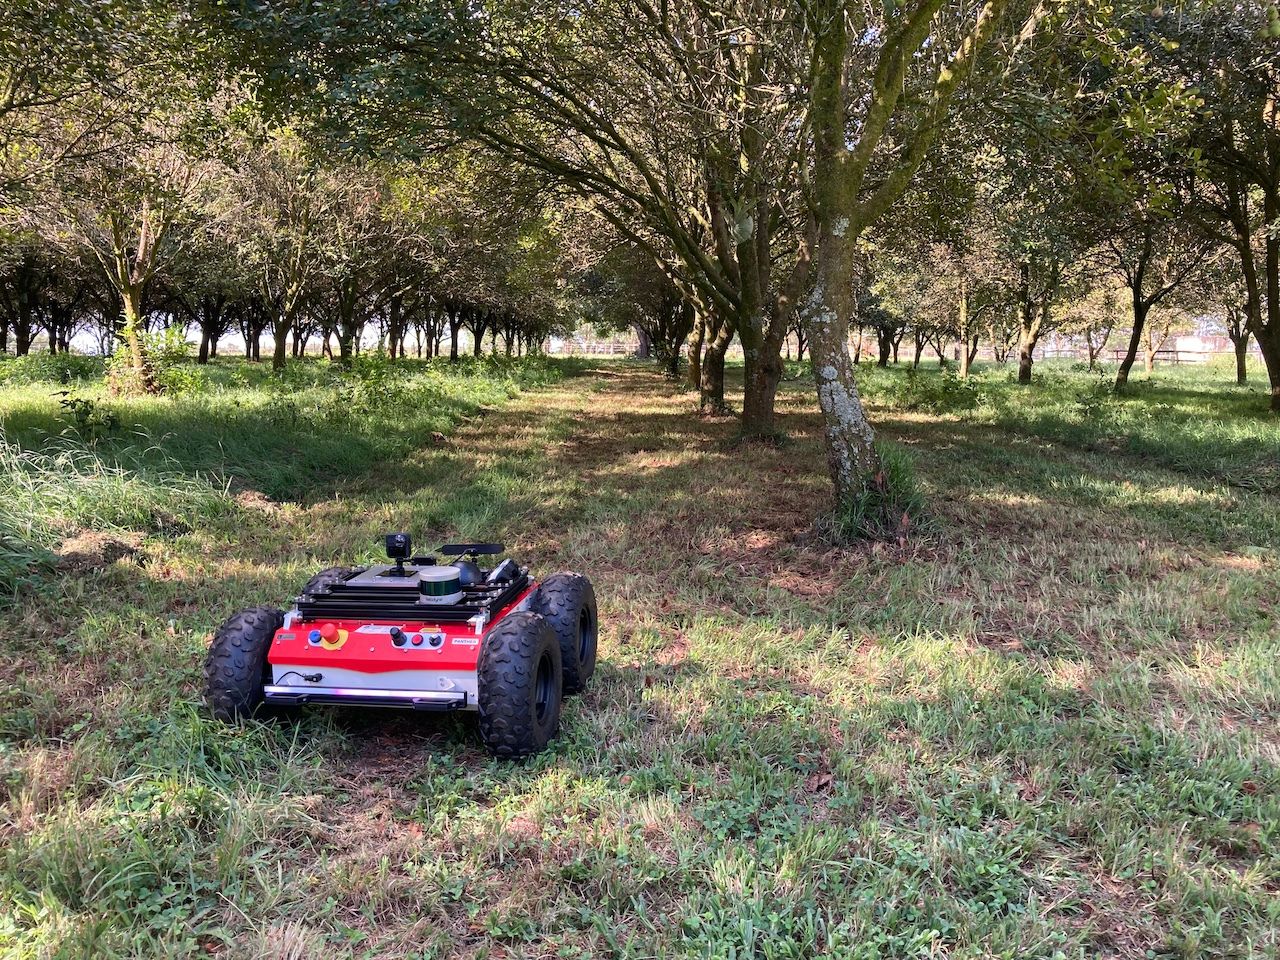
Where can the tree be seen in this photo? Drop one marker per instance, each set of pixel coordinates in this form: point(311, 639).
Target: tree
point(274, 221)
point(629, 290)
point(903, 72)
point(1155, 257)
point(208, 287)
point(121, 209)
point(1093, 317)
point(1214, 51)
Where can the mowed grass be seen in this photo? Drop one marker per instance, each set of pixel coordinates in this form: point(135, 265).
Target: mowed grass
point(1048, 726)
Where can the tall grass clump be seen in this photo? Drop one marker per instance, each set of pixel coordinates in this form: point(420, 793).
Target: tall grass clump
point(890, 505)
point(917, 391)
point(62, 368)
point(46, 495)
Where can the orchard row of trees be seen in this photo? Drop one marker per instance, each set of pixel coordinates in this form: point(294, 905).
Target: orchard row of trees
point(703, 170)
point(265, 237)
point(145, 189)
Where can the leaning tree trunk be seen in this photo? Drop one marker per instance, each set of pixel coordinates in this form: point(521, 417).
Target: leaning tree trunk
point(1140, 311)
point(849, 440)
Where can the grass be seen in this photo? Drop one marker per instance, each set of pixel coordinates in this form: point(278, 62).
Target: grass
point(1047, 726)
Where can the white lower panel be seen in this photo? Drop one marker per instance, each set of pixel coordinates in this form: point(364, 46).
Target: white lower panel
point(283, 675)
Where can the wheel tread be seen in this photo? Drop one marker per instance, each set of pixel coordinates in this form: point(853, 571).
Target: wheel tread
point(237, 661)
point(560, 599)
point(506, 674)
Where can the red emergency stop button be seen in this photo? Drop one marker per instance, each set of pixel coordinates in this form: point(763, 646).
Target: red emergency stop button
point(328, 631)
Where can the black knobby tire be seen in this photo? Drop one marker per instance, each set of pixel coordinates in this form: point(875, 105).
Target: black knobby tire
point(327, 578)
point(236, 667)
point(568, 602)
point(519, 686)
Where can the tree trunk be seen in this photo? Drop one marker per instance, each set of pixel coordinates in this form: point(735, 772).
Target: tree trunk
point(203, 355)
point(695, 350)
point(23, 333)
point(283, 324)
point(884, 339)
point(1271, 358)
point(1268, 336)
point(762, 371)
point(1033, 316)
point(849, 440)
point(1241, 345)
point(1140, 311)
point(1254, 315)
point(644, 344)
point(395, 326)
point(712, 380)
point(139, 369)
point(1026, 358)
point(966, 358)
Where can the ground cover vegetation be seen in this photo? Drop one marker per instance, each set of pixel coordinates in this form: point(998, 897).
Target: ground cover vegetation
point(994, 677)
point(1042, 726)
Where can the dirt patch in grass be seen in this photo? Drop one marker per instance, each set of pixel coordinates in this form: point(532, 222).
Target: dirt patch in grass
point(92, 550)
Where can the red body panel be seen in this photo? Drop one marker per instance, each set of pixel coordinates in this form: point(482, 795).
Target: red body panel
point(368, 647)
